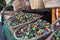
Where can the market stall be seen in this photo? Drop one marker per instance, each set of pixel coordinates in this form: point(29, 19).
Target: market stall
point(29, 20)
point(13, 27)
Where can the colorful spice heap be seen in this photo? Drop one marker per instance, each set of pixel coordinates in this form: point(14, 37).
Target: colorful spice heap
point(32, 30)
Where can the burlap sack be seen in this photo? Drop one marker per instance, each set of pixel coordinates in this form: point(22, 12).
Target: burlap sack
point(36, 4)
point(7, 1)
point(51, 3)
point(19, 4)
point(16, 5)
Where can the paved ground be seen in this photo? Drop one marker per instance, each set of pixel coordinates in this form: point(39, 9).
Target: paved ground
point(1, 36)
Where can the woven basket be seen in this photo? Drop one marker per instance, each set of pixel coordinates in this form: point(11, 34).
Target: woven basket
point(21, 13)
point(56, 29)
point(34, 38)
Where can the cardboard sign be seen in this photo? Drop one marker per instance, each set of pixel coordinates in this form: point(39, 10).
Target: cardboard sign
point(51, 3)
point(36, 4)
